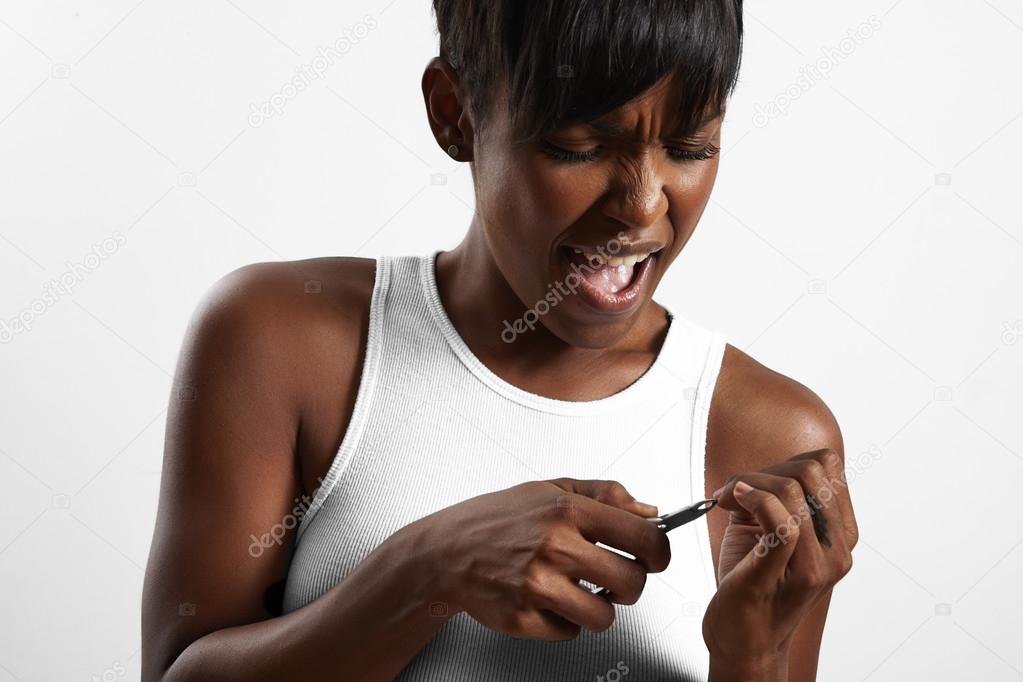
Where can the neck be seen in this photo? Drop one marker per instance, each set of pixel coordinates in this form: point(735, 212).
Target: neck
point(478, 300)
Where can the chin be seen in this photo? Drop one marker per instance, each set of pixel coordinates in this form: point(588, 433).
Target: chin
point(587, 332)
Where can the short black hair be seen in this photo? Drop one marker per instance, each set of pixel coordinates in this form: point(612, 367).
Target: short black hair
point(572, 61)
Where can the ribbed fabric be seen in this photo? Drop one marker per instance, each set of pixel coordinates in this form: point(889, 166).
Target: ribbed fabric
point(432, 426)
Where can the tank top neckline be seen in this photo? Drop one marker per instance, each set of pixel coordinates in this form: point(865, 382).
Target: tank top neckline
point(643, 387)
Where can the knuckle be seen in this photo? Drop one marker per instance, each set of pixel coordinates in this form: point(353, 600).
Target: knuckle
point(854, 535)
point(844, 566)
point(556, 482)
point(558, 552)
point(830, 459)
point(514, 622)
point(793, 492)
point(810, 580)
point(564, 505)
point(551, 545)
point(610, 491)
point(813, 469)
point(523, 623)
point(533, 584)
point(787, 530)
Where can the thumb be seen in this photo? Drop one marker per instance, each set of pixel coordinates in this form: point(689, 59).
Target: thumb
point(765, 564)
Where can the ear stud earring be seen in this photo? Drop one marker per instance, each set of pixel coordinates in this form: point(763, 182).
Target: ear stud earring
point(453, 151)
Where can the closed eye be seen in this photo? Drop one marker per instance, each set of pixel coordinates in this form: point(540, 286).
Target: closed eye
point(708, 151)
point(560, 154)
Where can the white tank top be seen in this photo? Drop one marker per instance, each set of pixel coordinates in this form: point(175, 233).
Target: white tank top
point(432, 426)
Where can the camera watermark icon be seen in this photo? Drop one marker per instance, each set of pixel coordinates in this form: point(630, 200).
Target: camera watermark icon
point(60, 501)
point(187, 179)
point(186, 393)
point(817, 286)
point(313, 286)
point(943, 394)
point(943, 179)
point(566, 71)
point(438, 179)
point(1012, 332)
point(186, 609)
point(438, 609)
point(60, 70)
point(692, 609)
point(942, 609)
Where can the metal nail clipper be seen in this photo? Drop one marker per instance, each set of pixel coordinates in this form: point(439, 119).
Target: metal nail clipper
point(669, 521)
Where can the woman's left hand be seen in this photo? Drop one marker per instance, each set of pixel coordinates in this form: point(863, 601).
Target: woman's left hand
point(776, 559)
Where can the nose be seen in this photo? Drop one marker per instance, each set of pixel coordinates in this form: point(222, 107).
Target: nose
point(637, 198)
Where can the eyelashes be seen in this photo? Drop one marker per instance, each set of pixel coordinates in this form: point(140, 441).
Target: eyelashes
point(681, 154)
point(709, 151)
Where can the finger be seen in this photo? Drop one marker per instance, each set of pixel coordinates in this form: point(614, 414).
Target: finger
point(826, 518)
point(625, 578)
point(562, 596)
point(544, 625)
point(789, 491)
point(614, 527)
point(609, 492)
point(838, 487)
point(560, 628)
point(765, 565)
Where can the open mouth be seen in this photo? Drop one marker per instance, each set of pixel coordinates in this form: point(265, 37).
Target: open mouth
point(609, 283)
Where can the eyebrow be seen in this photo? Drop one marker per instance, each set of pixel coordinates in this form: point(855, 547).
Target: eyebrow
point(615, 130)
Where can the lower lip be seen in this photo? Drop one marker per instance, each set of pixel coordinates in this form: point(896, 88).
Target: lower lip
point(623, 301)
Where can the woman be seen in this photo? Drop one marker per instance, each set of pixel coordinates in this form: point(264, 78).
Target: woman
point(402, 467)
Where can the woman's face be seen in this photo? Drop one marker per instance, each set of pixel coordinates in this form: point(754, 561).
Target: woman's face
point(627, 186)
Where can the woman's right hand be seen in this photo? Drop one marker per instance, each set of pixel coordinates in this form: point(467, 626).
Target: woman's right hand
point(511, 559)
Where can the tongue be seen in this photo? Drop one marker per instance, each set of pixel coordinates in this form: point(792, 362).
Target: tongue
point(611, 279)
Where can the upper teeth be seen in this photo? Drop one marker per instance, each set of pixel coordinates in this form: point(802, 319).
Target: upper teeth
point(613, 261)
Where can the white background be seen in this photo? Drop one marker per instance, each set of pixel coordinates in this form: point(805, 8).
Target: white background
point(867, 242)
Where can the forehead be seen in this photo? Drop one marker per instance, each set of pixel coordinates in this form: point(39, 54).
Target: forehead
point(613, 125)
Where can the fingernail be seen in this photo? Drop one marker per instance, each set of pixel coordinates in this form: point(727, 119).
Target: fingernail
point(742, 488)
point(717, 492)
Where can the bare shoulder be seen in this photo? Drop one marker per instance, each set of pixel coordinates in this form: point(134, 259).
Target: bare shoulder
point(759, 416)
point(293, 329)
point(284, 310)
point(276, 294)
point(259, 393)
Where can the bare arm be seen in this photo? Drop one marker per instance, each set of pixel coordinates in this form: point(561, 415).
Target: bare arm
point(368, 627)
point(764, 419)
point(230, 472)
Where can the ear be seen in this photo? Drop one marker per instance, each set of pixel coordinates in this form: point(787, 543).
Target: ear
point(446, 108)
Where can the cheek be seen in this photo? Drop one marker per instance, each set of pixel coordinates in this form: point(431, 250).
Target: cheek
point(689, 198)
point(558, 197)
point(533, 204)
